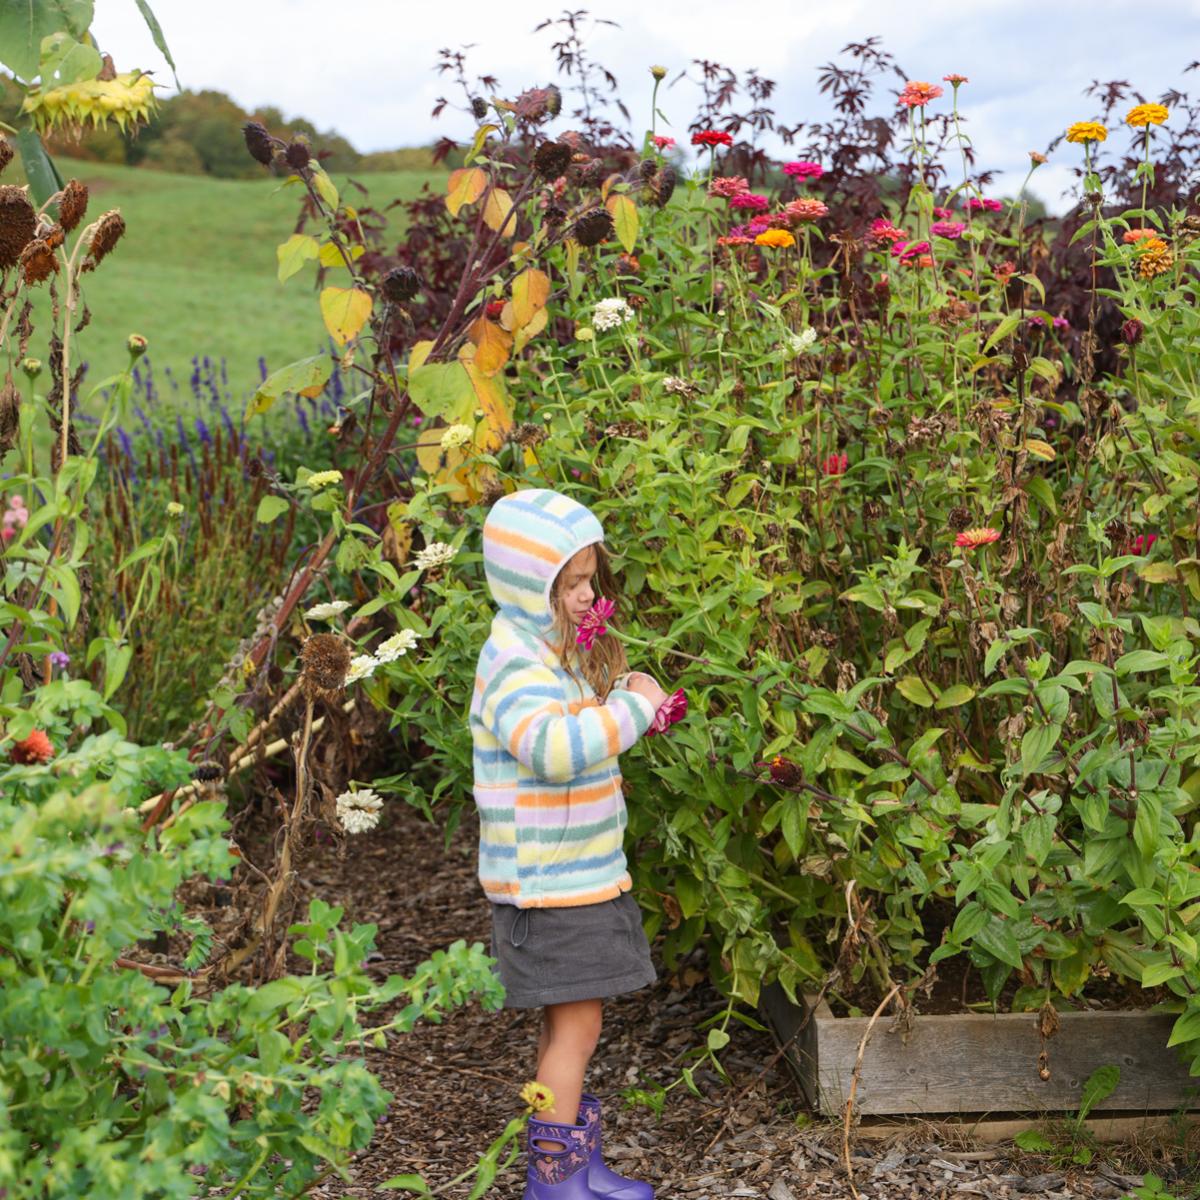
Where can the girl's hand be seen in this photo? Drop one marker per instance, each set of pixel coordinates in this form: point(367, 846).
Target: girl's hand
point(645, 685)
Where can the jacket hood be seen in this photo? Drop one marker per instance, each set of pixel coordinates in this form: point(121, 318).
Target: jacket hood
point(528, 537)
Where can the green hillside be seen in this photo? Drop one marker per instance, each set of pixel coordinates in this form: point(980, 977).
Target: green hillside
point(195, 272)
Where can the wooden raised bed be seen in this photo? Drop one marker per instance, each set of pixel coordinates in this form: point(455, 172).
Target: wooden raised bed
point(980, 1063)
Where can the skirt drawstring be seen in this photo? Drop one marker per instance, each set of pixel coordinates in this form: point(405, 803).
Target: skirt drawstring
point(512, 937)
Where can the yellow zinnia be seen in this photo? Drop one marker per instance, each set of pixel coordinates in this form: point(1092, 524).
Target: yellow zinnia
point(1142, 115)
point(774, 237)
point(537, 1096)
point(1086, 131)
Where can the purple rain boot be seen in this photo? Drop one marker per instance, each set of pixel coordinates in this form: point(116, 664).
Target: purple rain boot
point(558, 1174)
point(601, 1179)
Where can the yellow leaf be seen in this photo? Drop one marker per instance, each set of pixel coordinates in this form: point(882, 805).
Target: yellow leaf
point(535, 326)
point(398, 536)
point(331, 256)
point(530, 291)
point(496, 211)
point(325, 188)
point(294, 253)
point(492, 344)
point(464, 186)
point(625, 217)
point(345, 312)
point(1040, 449)
point(1158, 572)
point(481, 137)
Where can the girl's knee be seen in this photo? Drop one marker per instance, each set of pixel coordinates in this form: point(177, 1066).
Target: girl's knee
point(577, 1024)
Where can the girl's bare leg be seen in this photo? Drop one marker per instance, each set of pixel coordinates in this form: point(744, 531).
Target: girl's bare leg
point(568, 1039)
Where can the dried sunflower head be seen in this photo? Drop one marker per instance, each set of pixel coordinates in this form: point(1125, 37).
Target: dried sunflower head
point(6, 152)
point(401, 284)
point(72, 204)
point(593, 227)
point(37, 262)
point(18, 222)
point(551, 159)
point(108, 232)
point(259, 142)
point(10, 411)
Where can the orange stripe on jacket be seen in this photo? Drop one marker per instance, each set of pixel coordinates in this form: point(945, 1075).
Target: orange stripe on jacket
point(576, 795)
point(518, 733)
point(506, 537)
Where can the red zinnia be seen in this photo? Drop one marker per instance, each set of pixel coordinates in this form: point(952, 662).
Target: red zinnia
point(835, 464)
point(495, 308)
point(36, 748)
point(664, 143)
point(594, 623)
point(711, 137)
point(1143, 542)
point(972, 539)
point(673, 708)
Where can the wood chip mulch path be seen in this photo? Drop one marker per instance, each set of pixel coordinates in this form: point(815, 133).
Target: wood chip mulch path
point(455, 1084)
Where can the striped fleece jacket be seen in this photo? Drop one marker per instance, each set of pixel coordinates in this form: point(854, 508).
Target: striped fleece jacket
point(551, 811)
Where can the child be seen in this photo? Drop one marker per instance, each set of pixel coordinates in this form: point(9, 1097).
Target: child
point(548, 721)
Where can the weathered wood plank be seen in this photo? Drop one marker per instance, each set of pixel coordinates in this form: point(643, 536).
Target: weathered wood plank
point(983, 1063)
point(989, 1132)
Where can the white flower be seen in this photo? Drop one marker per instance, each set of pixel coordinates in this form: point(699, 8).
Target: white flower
point(358, 811)
point(678, 387)
point(395, 646)
point(434, 555)
point(455, 436)
point(323, 612)
point(174, 508)
point(362, 666)
point(610, 313)
point(797, 343)
point(321, 478)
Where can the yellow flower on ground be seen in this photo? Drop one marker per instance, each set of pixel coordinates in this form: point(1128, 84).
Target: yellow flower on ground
point(321, 478)
point(775, 237)
point(1142, 115)
point(1086, 131)
point(537, 1096)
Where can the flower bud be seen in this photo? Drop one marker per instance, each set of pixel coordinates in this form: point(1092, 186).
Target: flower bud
point(136, 345)
point(298, 154)
point(1131, 331)
point(259, 142)
point(659, 72)
point(401, 284)
point(32, 367)
point(479, 107)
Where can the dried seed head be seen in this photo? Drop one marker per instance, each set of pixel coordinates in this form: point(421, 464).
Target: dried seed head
point(207, 772)
point(72, 204)
point(401, 284)
point(551, 159)
point(478, 107)
point(109, 230)
point(17, 224)
point(555, 215)
point(10, 410)
point(37, 262)
point(593, 228)
point(660, 186)
point(6, 152)
point(872, 510)
point(527, 434)
point(647, 167)
point(959, 518)
point(259, 142)
point(1131, 331)
point(493, 489)
point(553, 101)
point(326, 660)
point(298, 154)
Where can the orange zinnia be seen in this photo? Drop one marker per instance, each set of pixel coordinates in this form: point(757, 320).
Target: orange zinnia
point(1142, 115)
point(775, 237)
point(36, 748)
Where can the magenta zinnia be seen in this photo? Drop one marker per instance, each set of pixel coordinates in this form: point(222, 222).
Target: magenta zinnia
point(594, 623)
point(673, 708)
point(804, 170)
point(948, 229)
point(750, 201)
point(972, 539)
point(725, 187)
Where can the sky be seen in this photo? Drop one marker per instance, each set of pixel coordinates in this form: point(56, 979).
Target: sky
point(366, 67)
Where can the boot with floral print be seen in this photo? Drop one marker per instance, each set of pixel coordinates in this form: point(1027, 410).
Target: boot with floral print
point(601, 1179)
point(558, 1174)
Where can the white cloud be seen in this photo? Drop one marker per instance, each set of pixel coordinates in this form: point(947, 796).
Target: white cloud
point(365, 67)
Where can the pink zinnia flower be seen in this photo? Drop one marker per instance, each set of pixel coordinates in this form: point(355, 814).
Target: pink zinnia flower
point(1061, 323)
point(882, 230)
point(664, 143)
point(948, 229)
point(594, 623)
point(758, 225)
point(673, 708)
point(835, 464)
point(975, 204)
point(725, 187)
point(955, 80)
point(751, 201)
point(917, 94)
point(941, 214)
point(735, 240)
point(807, 208)
point(804, 170)
point(907, 251)
point(1143, 542)
point(972, 539)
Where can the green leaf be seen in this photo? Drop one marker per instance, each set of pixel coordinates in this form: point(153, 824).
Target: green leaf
point(1006, 326)
point(1100, 1085)
point(439, 389)
point(1039, 488)
point(40, 171)
point(718, 1039)
point(309, 375)
point(1034, 1142)
point(1137, 661)
point(999, 939)
point(913, 688)
point(406, 1183)
point(24, 23)
point(269, 508)
point(1159, 973)
point(157, 34)
point(955, 695)
point(294, 253)
point(1036, 744)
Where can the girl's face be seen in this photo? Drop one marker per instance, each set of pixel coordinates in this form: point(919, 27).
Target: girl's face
point(575, 594)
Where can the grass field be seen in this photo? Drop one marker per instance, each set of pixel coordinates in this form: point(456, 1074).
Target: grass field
point(195, 272)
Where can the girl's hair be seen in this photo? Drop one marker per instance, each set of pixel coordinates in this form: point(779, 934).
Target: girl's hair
point(605, 661)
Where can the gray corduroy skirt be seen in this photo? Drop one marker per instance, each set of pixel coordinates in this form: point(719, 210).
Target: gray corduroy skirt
point(556, 955)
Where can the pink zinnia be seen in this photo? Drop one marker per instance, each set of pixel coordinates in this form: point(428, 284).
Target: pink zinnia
point(948, 229)
point(941, 214)
point(673, 708)
point(906, 251)
point(594, 623)
point(757, 225)
point(1061, 323)
point(882, 230)
point(971, 539)
point(1143, 542)
point(751, 201)
point(835, 464)
point(725, 187)
point(975, 204)
point(736, 239)
point(807, 208)
point(664, 143)
point(954, 80)
point(917, 94)
point(804, 170)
